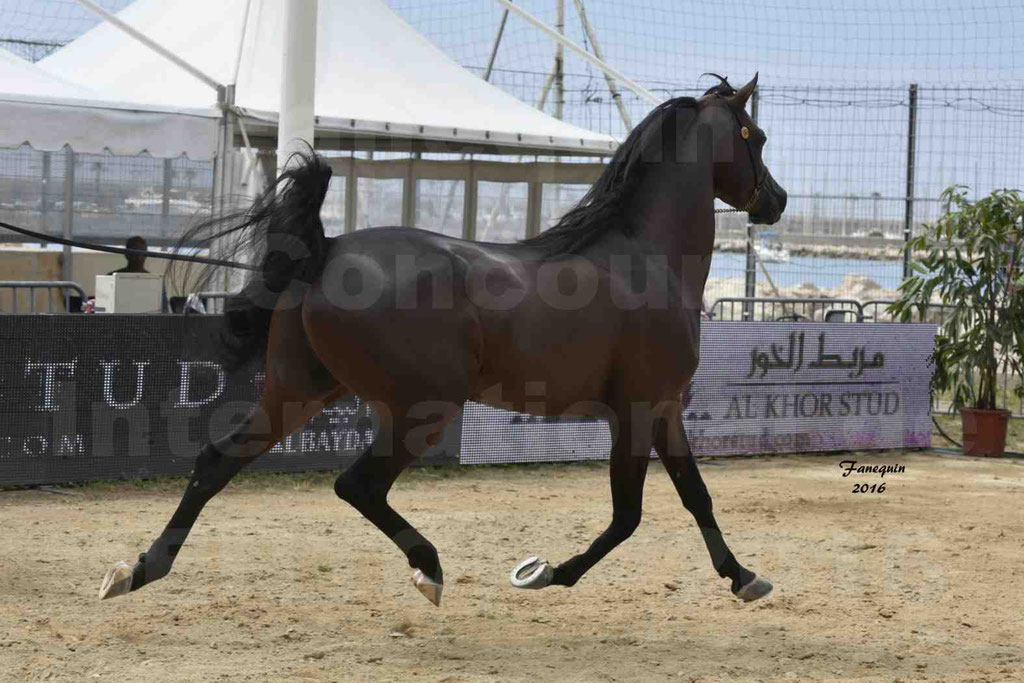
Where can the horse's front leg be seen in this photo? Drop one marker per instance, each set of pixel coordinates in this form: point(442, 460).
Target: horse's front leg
point(674, 450)
point(631, 452)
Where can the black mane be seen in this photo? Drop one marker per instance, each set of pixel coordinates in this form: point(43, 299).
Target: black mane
point(722, 88)
point(599, 210)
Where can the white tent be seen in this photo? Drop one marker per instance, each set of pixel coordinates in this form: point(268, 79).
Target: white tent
point(48, 112)
point(376, 75)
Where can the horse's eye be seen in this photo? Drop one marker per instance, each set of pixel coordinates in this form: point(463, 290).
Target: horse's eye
point(745, 133)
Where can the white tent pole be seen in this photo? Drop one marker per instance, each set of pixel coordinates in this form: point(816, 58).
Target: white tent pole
point(600, 64)
point(150, 43)
point(298, 79)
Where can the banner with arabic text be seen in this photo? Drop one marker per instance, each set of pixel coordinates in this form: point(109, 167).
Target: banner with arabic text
point(761, 388)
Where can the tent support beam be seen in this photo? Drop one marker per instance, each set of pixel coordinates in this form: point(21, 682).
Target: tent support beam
point(542, 101)
point(600, 64)
point(559, 60)
point(241, 41)
point(612, 88)
point(494, 49)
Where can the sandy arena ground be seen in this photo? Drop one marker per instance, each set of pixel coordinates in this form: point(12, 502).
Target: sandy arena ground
point(281, 581)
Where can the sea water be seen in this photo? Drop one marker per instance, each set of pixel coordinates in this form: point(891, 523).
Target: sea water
point(823, 273)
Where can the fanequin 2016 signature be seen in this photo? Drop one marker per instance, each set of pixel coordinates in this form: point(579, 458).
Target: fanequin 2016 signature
point(851, 467)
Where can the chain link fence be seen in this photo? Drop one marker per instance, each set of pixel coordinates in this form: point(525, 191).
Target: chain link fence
point(863, 159)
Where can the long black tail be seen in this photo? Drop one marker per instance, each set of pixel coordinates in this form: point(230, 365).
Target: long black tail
point(281, 232)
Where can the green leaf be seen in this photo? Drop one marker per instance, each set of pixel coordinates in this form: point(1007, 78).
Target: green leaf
point(974, 262)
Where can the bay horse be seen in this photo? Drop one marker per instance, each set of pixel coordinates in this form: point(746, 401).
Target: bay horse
point(597, 316)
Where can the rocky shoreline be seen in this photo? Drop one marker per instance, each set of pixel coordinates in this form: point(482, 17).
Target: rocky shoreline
point(843, 251)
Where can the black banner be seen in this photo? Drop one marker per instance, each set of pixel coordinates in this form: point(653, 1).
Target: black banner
point(85, 397)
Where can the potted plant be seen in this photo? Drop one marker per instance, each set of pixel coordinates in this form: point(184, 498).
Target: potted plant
point(971, 263)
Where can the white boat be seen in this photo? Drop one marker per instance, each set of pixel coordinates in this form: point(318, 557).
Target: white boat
point(770, 249)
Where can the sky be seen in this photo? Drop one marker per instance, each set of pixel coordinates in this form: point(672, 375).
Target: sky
point(834, 77)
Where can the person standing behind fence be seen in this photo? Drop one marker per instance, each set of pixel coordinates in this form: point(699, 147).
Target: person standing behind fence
point(136, 262)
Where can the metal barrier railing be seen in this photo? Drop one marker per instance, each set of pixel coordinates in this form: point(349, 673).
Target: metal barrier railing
point(875, 311)
point(200, 302)
point(213, 302)
point(1005, 396)
point(765, 309)
point(49, 285)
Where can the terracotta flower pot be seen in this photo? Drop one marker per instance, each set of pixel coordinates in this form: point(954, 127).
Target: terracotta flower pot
point(984, 431)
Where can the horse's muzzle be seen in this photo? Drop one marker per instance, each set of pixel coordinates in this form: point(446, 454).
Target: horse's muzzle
point(771, 204)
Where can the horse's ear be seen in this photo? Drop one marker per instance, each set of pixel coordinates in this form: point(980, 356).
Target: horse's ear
point(739, 100)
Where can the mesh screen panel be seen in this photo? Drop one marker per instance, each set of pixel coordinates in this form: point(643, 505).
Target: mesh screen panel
point(117, 396)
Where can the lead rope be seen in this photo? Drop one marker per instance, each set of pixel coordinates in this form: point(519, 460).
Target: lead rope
point(43, 237)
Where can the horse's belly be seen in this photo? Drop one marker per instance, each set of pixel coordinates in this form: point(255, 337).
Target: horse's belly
point(544, 365)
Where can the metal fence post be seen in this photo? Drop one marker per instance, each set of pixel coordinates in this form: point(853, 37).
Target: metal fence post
point(44, 199)
point(409, 195)
point(165, 198)
point(351, 194)
point(469, 203)
point(750, 276)
point(69, 211)
point(908, 215)
point(534, 201)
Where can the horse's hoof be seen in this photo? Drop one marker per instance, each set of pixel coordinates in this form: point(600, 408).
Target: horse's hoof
point(532, 573)
point(757, 588)
point(431, 589)
point(118, 581)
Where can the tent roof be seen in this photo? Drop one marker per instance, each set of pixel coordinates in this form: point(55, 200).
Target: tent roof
point(376, 75)
point(26, 79)
point(48, 112)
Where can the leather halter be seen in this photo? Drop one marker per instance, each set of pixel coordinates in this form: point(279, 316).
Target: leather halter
point(758, 183)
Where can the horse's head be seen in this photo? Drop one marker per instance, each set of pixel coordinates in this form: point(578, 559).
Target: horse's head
point(741, 178)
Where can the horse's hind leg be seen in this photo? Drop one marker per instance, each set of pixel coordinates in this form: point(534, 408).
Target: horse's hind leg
point(366, 483)
point(297, 388)
point(674, 450)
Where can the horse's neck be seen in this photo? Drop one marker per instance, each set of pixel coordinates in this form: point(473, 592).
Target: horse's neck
point(673, 210)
